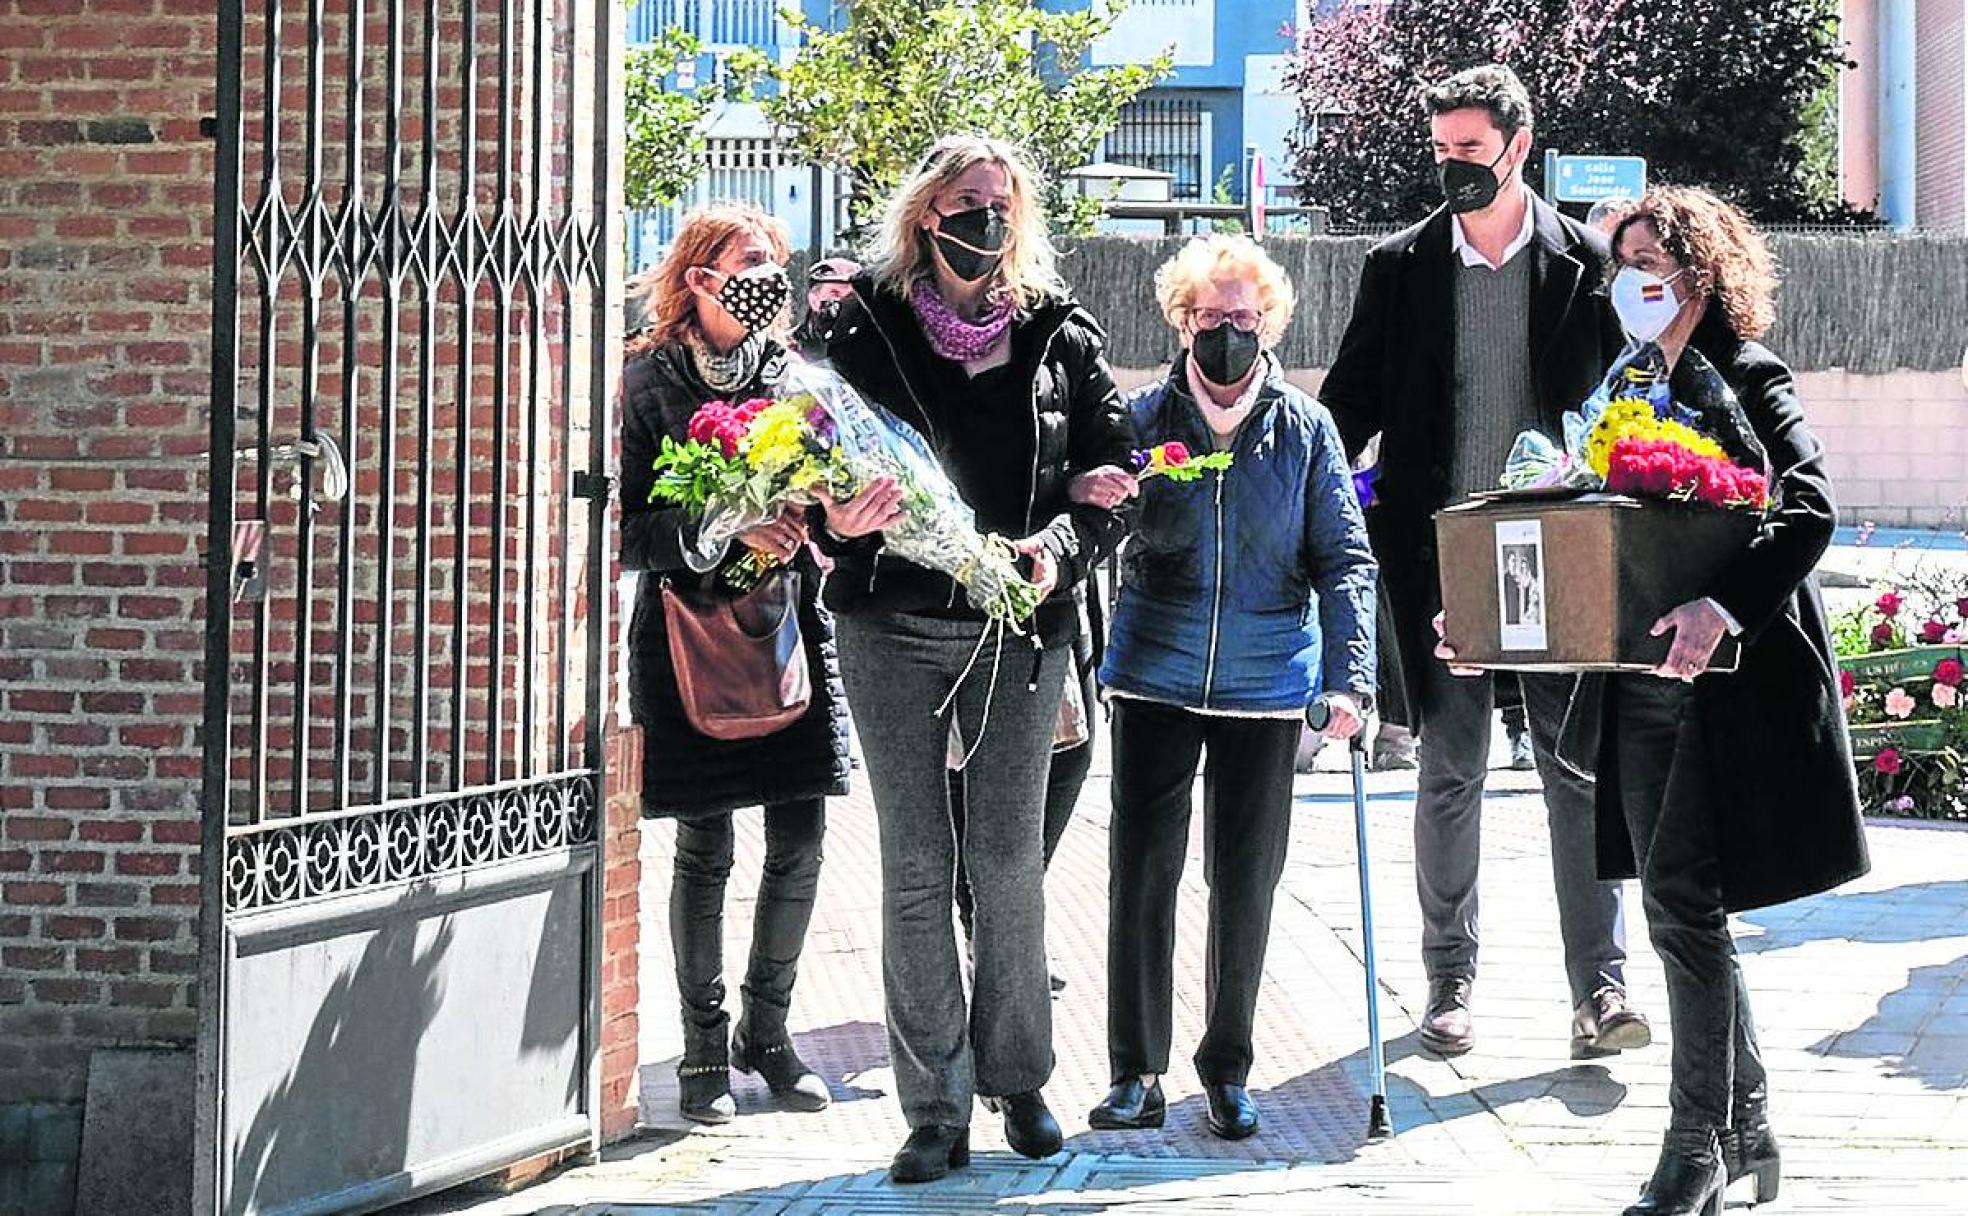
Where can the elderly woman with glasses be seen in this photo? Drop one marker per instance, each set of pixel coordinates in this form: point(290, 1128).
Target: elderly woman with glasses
point(1247, 598)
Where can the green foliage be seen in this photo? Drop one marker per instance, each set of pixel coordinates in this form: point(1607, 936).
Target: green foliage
point(870, 98)
point(664, 147)
point(1712, 92)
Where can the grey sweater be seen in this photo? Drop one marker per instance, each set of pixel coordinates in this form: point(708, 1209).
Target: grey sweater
point(1495, 393)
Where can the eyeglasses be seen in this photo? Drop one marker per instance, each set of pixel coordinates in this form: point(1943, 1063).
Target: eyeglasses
point(1243, 318)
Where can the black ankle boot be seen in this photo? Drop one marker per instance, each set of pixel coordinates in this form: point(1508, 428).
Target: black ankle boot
point(1749, 1147)
point(704, 1091)
point(1688, 1179)
point(790, 1080)
point(1029, 1126)
point(929, 1153)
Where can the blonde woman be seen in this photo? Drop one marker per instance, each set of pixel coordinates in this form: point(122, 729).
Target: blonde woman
point(962, 328)
point(1247, 597)
point(712, 307)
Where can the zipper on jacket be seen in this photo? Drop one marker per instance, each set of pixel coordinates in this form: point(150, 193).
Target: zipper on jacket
point(1216, 600)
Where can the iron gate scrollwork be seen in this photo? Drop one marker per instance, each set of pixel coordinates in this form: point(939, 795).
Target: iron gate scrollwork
point(407, 589)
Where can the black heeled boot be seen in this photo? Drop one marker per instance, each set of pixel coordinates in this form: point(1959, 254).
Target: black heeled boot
point(790, 1080)
point(1749, 1147)
point(1688, 1179)
point(704, 1086)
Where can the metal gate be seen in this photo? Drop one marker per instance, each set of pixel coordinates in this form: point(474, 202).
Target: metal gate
point(407, 596)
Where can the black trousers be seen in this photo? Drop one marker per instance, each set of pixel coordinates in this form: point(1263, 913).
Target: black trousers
point(787, 886)
point(1663, 775)
point(1247, 799)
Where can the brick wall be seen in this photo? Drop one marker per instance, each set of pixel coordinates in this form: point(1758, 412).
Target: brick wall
point(105, 201)
point(1896, 445)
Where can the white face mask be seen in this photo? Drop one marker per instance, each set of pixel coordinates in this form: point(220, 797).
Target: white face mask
point(1646, 303)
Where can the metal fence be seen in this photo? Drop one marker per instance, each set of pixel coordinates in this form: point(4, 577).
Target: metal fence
point(714, 22)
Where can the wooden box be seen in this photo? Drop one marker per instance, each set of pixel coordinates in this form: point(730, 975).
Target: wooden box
point(1575, 582)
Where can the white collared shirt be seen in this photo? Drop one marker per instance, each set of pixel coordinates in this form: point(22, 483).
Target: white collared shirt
point(1468, 252)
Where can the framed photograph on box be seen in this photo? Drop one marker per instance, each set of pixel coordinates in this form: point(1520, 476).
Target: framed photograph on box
point(1520, 585)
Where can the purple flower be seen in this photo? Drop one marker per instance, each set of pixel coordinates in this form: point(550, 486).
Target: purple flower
point(1139, 458)
point(821, 424)
point(1363, 485)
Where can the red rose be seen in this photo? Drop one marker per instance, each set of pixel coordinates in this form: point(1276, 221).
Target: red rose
point(1889, 604)
point(1887, 762)
point(1948, 672)
point(1961, 608)
point(1846, 684)
point(705, 422)
point(1175, 455)
point(1933, 632)
point(1882, 634)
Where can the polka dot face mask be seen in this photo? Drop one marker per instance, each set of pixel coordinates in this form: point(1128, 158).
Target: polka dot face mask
point(756, 296)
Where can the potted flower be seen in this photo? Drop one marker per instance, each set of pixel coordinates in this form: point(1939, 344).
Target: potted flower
point(1902, 658)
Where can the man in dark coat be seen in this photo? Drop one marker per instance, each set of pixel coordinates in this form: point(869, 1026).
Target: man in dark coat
point(1484, 320)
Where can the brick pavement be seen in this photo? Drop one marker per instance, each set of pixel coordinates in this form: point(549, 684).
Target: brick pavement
point(1861, 995)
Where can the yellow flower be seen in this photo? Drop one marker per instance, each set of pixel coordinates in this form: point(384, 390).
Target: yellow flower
point(775, 441)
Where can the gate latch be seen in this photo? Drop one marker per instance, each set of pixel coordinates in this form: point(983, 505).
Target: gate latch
point(248, 575)
point(592, 485)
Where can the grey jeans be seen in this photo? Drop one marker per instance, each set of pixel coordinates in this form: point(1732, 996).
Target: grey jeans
point(1448, 827)
point(898, 669)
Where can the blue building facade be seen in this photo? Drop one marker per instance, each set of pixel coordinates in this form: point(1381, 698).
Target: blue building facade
point(1225, 100)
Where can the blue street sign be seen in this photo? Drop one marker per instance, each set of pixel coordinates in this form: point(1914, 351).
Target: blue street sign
point(1587, 179)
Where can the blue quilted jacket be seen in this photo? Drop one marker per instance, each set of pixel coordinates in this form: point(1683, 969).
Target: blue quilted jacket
point(1250, 590)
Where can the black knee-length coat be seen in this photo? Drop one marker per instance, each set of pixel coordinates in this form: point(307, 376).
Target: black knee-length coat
point(686, 773)
point(1781, 784)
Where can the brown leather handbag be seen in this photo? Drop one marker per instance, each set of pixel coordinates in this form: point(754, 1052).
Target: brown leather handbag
point(740, 661)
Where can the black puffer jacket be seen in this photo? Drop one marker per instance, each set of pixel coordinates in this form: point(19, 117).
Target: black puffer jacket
point(878, 346)
point(685, 773)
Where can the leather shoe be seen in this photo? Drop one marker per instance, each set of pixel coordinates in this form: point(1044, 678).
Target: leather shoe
point(1604, 1024)
point(1688, 1179)
point(1029, 1126)
point(1446, 1029)
point(1750, 1147)
point(929, 1153)
point(1130, 1105)
point(1232, 1111)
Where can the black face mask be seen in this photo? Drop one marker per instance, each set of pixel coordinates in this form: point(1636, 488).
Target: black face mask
point(972, 242)
point(1470, 186)
point(1224, 355)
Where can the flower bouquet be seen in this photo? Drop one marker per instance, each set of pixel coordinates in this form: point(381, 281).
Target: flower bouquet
point(741, 464)
point(1631, 437)
point(1902, 658)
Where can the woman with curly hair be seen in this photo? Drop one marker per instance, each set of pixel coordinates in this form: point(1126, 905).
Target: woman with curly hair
point(963, 329)
point(1725, 791)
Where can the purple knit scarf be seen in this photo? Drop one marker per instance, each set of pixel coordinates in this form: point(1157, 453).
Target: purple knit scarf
point(951, 336)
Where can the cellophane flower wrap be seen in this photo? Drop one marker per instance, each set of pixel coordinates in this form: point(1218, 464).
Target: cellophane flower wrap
point(1631, 437)
point(743, 463)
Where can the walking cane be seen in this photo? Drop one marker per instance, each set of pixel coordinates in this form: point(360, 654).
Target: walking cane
point(1379, 1125)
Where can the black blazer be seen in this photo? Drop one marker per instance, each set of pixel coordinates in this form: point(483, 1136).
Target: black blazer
point(1781, 784)
point(1394, 377)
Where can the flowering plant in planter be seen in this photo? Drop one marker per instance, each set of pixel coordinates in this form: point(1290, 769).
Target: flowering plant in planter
point(1902, 659)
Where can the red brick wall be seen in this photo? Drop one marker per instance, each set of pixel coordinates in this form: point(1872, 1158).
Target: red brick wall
point(105, 265)
point(105, 219)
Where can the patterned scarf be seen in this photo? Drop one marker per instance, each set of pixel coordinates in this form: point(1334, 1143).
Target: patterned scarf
point(951, 336)
point(727, 372)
